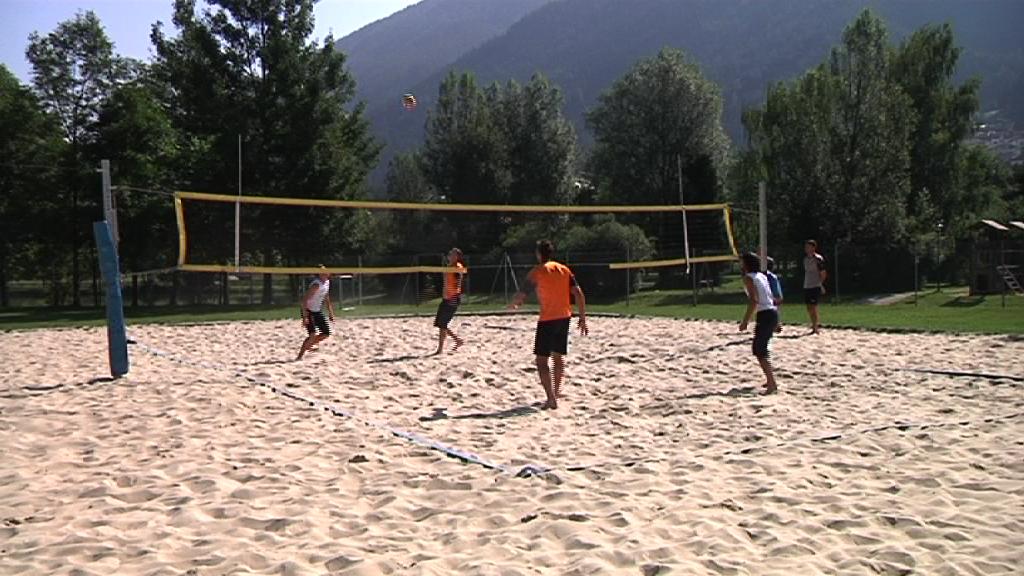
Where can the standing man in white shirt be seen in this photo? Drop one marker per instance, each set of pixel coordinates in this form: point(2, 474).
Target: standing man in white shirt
point(760, 300)
point(814, 281)
point(312, 312)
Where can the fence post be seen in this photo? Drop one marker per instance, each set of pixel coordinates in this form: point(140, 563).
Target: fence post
point(629, 286)
point(836, 252)
point(360, 264)
point(917, 276)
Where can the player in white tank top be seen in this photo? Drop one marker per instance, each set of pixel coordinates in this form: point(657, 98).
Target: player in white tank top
point(313, 320)
point(759, 296)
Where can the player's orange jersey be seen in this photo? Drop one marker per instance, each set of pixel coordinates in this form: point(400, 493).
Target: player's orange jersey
point(453, 282)
point(553, 282)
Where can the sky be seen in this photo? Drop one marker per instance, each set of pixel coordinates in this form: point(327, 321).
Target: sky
point(128, 22)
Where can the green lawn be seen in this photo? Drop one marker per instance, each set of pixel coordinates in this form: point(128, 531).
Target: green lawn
point(951, 310)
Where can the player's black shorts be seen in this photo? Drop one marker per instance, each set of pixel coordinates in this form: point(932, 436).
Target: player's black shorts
point(812, 295)
point(767, 320)
point(317, 321)
point(552, 337)
point(445, 312)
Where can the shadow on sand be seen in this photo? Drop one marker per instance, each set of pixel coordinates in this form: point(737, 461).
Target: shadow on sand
point(526, 410)
point(405, 358)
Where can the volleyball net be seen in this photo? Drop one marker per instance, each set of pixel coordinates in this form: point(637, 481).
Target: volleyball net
point(296, 235)
point(256, 249)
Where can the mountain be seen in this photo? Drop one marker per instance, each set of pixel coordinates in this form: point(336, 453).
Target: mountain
point(583, 46)
point(391, 56)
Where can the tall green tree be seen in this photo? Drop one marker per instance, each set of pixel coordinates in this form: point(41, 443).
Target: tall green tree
point(541, 142)
point(135, 133)
point(74, 68)
point(464, 152)
point(923, 66)
point(504, 144)
point(31, 145)
point(868, 142)
point(833, 146)
point(662, 113)
point(249, 68)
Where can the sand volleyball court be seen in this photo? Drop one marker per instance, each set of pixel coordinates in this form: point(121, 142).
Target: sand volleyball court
point(662, 459)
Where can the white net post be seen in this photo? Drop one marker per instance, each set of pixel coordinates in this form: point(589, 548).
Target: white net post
point(238, 207)
point(682, 202)
point(762, 224)
point(109, 204)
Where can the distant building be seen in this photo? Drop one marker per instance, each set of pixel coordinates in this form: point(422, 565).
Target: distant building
point(998, 134)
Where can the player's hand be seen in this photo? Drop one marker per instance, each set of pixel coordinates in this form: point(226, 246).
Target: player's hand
point(332, 317)
point(743, 326)
point(512, 306)
point(822, 289)
point(583, 326)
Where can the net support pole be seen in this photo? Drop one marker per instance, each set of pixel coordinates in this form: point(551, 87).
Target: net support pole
point(762, 224)
point(117, 339)
point(238, 206)
point(686, 228)
point(682, 203)
point(109, 207)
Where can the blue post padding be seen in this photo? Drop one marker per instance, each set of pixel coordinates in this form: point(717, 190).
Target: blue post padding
point(117, 339)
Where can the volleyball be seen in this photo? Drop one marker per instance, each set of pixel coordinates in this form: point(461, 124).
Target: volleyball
point(409, 102)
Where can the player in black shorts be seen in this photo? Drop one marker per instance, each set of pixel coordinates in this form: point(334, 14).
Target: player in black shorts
point(555, 284)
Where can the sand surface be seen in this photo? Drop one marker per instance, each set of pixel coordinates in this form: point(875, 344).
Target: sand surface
point(663, 458)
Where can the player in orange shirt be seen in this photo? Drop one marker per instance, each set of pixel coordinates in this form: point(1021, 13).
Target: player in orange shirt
point(554, 284)
point(450, 301)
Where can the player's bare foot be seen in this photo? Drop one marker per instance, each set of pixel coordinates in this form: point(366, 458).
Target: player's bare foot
point(458, 344)
point(550, 406)
point(770, 388)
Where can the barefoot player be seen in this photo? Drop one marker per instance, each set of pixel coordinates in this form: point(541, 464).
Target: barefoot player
point(759, 297)
point(451, 300)
point(312, 312)
point(554, 284)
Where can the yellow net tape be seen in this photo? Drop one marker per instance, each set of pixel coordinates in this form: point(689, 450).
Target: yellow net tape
point(672, 262)
point(371, 205)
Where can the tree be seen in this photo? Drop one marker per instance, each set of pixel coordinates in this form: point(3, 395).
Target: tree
point(247, 67)
point(74, 68)
point(30, 144)
point(663, 110)
point(833, 146)
point(541, 143)
point(503, 144)
point(869, 136)
point(923, 66)
point(135, 133)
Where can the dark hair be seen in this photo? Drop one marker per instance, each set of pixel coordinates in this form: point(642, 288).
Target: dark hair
point(812, 243)
point(751, 261)
point(546, 249)
point(458, 256)
point(771, 263)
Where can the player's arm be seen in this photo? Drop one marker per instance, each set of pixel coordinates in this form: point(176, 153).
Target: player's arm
point(822, 273)
point(581, 303)
point(520, 297)
point(303, 303)
point(751, 302)
point(330, 307)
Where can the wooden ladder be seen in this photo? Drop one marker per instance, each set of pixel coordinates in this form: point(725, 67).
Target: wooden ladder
point(1012, 283)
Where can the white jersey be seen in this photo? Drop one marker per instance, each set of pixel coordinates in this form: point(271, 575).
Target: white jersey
point(316, 301)
point(764, 292)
